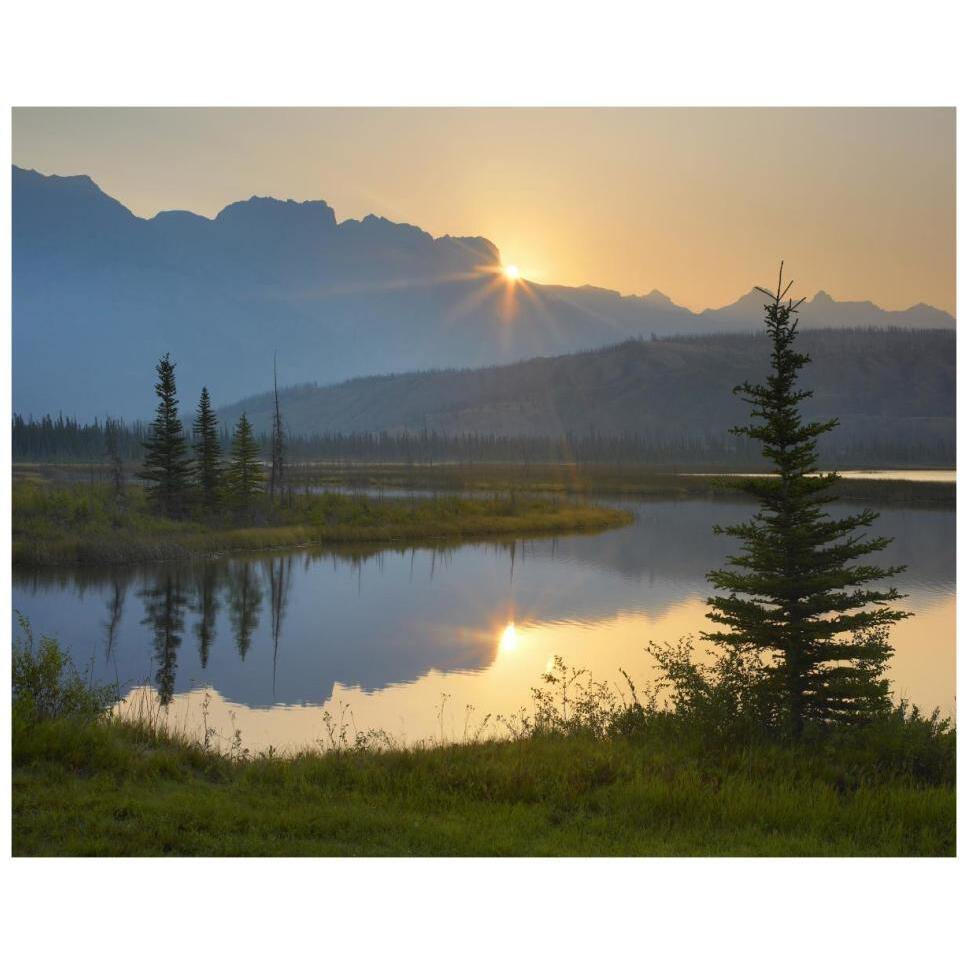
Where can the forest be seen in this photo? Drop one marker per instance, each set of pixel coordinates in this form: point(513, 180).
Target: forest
point(65, 440)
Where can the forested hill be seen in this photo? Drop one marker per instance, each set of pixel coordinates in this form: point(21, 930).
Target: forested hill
point(886, 386)
point(99, 294)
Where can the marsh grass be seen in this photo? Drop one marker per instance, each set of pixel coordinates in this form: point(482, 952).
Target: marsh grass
point(587, 769)
point(86, 524)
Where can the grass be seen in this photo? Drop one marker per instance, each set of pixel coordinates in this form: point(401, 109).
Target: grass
point(107, 789)
point(581, 776)
point(85, 524)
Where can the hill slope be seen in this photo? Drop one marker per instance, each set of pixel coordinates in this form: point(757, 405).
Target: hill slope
point(882, 384)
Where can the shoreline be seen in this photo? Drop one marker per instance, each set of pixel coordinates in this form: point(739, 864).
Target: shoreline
point(452, 521)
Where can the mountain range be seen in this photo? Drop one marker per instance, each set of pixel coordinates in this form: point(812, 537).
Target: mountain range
point(99, 294)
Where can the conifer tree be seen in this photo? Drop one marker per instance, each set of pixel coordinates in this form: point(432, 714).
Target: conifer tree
point(166, 464)
point(244, 474)
point(206, 445)
point(798, 594)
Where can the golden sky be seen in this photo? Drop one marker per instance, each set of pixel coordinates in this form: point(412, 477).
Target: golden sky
point(698, 203)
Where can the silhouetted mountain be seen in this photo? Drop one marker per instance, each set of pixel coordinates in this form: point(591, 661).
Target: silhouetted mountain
point(100, 294)
point(880, 383)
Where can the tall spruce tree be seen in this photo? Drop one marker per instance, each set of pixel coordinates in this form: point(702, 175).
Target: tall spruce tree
point(166, 463)
point(244, 474)
point(799, 593)
point(206, 445)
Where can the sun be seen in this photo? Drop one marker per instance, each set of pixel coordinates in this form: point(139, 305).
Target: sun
point(511, 272)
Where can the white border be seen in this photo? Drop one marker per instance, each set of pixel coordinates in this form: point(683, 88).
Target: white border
point(483, 53)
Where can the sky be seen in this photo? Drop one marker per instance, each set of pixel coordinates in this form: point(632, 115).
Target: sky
point(700, 204)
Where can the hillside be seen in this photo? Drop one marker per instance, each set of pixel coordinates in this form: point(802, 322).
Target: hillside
point(882, 384)
point(99, 294)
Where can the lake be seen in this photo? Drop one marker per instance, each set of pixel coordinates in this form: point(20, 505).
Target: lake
point(423, 643)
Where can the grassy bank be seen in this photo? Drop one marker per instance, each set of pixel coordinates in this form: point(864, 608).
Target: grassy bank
point(86, 524)
point(581, 775)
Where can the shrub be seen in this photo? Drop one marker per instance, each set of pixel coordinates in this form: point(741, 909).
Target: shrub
point(47, 684)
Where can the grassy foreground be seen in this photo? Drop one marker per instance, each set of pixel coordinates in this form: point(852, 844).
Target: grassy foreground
point(112, 789)
point(86, 524)
point(583, 776)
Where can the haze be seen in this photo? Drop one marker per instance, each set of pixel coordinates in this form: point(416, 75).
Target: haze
point(700, 203)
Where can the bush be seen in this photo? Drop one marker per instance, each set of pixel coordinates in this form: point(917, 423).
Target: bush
point(902, 742)
point(727, 698)
point(47, 684)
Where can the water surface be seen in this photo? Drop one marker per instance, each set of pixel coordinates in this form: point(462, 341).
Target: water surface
point(409, 640)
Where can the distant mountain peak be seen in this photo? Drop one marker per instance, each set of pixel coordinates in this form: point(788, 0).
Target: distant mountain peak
point(753, 295)
point(260, 209)
point(186, 216)
point(657, 298)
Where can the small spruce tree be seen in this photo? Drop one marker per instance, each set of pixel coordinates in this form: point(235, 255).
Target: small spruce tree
point(166, 463)
point(798, 594)
point(244, 474)
point(206, 445)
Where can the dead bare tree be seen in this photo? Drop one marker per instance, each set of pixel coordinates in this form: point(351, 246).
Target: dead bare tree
point(277, 444)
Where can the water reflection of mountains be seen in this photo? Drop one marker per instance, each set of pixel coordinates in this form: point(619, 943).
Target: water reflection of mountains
point(286, 628)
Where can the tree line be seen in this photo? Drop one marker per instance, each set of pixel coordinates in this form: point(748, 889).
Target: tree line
point(65, 440)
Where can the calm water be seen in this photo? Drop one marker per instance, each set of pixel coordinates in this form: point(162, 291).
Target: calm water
point(924, 476)
point(385, 639)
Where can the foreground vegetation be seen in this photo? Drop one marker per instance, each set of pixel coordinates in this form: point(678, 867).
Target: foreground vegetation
point(82, 523)
point(582, 773)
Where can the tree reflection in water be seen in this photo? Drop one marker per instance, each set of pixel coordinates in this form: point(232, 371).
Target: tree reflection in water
point(115, 601)
point(206, 606)
point(278, 572)
point(245, 599)
point(164, 604)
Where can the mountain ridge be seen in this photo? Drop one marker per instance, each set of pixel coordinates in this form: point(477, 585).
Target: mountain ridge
point(100, 294)
point(655, 295)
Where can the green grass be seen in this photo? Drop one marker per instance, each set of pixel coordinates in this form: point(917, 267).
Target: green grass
point(85, 524)
point(584, 774)
point(115, 789)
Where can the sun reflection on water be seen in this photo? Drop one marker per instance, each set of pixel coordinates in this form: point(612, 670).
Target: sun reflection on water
point(509, 640)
